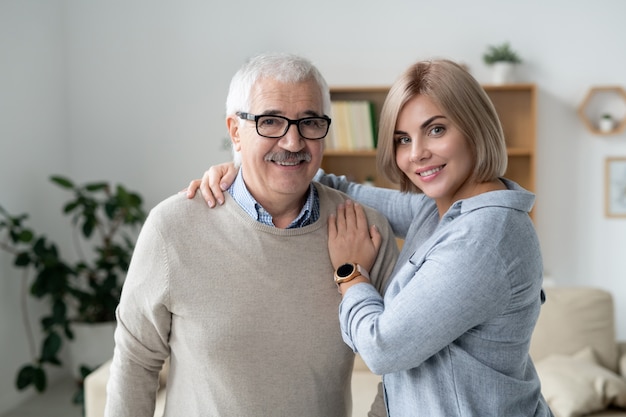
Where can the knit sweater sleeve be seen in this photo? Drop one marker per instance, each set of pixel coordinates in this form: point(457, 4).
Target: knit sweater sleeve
point(143, 325)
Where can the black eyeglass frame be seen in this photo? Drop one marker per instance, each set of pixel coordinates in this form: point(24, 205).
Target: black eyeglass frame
point(255, 118)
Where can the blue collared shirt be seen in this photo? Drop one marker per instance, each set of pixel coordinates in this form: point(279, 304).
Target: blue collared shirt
point(309, 214)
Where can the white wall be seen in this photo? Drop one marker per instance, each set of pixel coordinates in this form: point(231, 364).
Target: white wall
point(133, 91)
point(34, 144)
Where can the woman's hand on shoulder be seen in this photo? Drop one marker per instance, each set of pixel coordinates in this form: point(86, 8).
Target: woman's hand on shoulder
point(350, 238)
point(216, 180)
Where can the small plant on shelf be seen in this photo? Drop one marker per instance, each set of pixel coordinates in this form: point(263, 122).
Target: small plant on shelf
point(501, 53)
point(606, 123)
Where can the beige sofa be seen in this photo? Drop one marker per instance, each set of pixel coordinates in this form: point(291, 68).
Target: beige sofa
point(574, 349)
point(581, 365)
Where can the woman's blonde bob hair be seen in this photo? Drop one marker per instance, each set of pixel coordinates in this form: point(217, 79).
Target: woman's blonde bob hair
point(462, 100)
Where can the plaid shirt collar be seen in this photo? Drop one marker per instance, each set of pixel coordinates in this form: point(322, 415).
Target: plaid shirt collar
point(309, 214)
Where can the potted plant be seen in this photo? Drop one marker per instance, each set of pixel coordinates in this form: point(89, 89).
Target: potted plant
point(106, 221)
point(606, 123)
point(503, 60)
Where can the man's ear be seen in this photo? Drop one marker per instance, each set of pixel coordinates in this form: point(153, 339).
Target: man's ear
point(232, 124)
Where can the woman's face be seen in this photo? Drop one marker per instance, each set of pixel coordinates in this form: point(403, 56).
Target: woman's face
point(432, 153)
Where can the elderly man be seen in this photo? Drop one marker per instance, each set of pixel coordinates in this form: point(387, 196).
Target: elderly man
point(240, 296)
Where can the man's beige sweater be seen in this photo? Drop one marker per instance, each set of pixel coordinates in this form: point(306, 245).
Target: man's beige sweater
point(248, 314)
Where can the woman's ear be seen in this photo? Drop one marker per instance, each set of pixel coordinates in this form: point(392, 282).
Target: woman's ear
point(233, 125)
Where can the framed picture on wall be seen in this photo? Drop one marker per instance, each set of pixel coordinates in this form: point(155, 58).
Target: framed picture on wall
point(615, 193)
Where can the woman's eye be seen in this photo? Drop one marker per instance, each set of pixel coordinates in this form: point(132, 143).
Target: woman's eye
point(437, 130)
point(403, 140)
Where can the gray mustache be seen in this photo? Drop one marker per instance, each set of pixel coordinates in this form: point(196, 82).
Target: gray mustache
point(288, 157)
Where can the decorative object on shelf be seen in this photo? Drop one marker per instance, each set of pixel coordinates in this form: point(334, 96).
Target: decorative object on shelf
point(606, 123)
point(615, 187)
point(106, 221)
point(369, 181)
point(599, 102)
point(503, 60)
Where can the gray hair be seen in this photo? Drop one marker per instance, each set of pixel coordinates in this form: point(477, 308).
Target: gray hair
point(283, 67)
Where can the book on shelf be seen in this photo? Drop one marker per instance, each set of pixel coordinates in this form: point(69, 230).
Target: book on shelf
point(352, 126)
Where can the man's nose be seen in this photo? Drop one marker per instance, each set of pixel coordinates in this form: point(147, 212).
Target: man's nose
point(292, 141)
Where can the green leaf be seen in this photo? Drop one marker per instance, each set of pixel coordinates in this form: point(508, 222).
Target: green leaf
point(47, 323)
point(22, 259)
point(25, 377)
point(110, 208)
point(85, 370)
point(54, 361)
point(30, 374)
point(68, 331)
point(79, 396)
point(69, 207)
point(62, 182)
point(39, 248)
point(96, 186)
point(89, 226)
point(25, 236)
point(51, 347)
point(39, 379)
point(59, 311)
point(135, 199)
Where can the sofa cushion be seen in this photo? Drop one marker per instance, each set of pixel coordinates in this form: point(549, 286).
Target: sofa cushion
point(577, 385)
point(573, 318)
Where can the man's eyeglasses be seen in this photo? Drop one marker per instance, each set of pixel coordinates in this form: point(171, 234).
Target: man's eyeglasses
point(275, 127)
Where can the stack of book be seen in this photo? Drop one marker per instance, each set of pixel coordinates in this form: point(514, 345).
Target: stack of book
point(352, 126)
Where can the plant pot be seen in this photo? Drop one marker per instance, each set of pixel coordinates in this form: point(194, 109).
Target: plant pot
point(92, 345)
point(503, 72)
point(606, 125)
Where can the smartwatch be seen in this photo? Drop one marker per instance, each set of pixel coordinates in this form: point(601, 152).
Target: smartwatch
point(347, 272)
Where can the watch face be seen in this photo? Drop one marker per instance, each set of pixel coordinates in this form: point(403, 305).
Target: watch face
point(345, 270)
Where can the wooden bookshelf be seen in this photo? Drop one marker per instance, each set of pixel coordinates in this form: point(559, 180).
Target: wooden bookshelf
point(516, 107)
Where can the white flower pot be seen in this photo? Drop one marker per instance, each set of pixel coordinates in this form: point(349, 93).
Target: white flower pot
point(503, 72)
point(606, 125)
point(92, 345)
